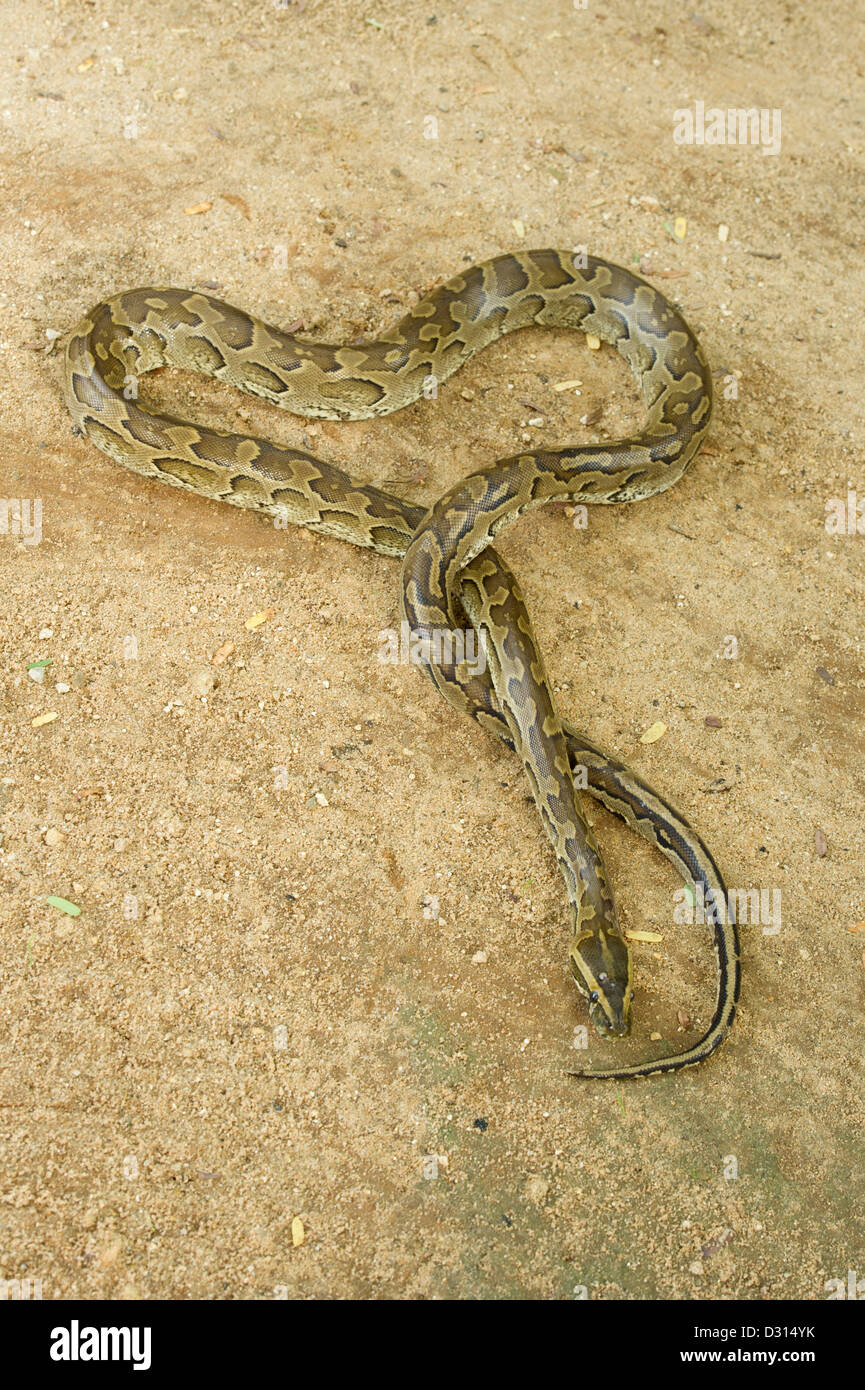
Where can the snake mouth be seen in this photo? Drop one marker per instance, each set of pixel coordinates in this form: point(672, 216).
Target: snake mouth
point(619, 1027)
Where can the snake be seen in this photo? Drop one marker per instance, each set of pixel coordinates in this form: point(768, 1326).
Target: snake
point(453, 580)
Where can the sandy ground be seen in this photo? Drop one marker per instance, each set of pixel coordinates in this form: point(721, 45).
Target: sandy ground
point(267, 1011)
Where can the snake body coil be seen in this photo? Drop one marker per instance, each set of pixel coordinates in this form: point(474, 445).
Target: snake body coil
point(452, 578)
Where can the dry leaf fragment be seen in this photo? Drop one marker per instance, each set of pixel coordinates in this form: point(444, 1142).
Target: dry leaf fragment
point(240, 203)
point(88, 791)
point(519, 228)
point(566, 385)
point(258, 618)
point(195, 208)
point(298, 1233)
point(654, 732)
point(47, 718)
point(820, 842)
point(643, 936)
point(64, 905)
point(593, 341)
point(222, 653)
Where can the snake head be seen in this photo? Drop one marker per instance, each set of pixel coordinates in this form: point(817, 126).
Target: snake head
point(601, 967)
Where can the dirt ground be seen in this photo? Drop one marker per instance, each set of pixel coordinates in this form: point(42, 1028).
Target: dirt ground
point(308, 1035)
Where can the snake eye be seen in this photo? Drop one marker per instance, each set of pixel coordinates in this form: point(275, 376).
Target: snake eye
point(594, 996)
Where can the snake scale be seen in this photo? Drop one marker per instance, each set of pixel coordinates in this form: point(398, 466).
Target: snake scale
point(451, 575)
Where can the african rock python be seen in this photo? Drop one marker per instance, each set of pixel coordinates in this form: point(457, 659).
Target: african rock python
point(451, 575)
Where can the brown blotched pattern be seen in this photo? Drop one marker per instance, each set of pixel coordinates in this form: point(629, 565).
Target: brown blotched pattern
point(451, 575)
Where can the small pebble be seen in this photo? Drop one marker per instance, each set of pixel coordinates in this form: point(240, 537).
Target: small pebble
point(480, 958)
point(202, 682)
point(712, 721)
point(536, 1188)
